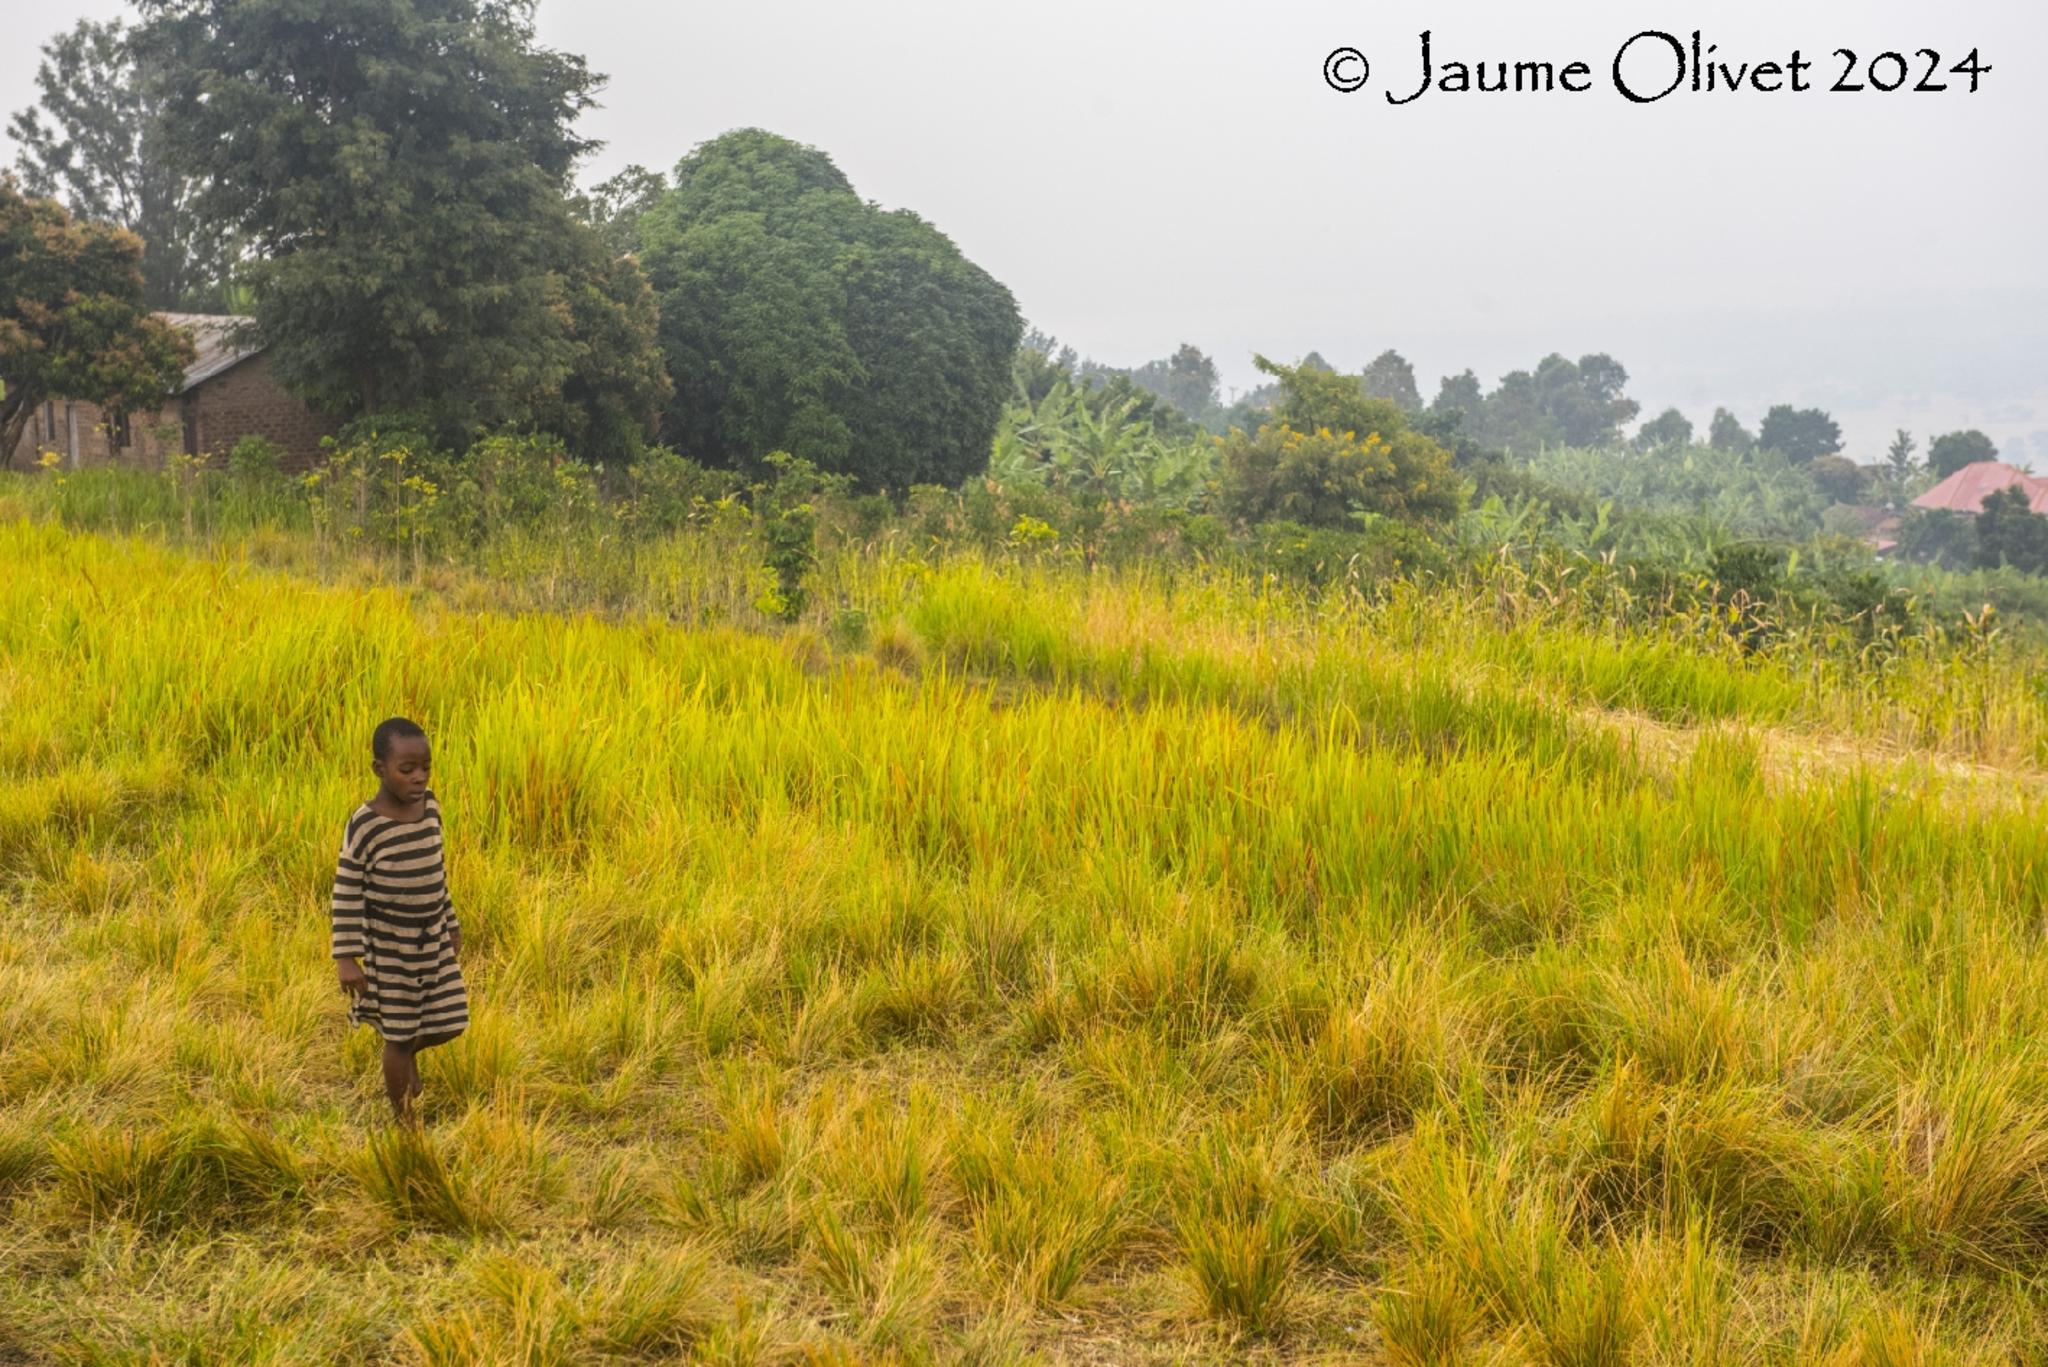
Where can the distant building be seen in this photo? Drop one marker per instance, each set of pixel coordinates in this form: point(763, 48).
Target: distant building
point(1879, 527)
point(225, 395)
point(1966, 489)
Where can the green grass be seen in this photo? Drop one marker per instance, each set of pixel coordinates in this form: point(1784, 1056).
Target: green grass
point(1062, 968)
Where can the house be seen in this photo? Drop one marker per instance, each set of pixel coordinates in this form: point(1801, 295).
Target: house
point(226, 394)
point(1965, 490)
point(1878, 527)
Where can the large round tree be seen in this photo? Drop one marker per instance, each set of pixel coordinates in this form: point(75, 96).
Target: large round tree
point(797, 316)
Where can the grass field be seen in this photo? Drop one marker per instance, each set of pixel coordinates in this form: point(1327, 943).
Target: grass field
point(1059, 968)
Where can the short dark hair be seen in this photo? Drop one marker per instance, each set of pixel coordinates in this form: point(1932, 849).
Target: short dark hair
point(390, 729)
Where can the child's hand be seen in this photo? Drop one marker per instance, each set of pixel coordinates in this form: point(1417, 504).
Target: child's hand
point(353, 981)
point(455, 940)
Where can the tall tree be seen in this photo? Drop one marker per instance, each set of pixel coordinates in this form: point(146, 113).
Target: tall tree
point(96, 140)
point(1951, 451)
point(1186, 379)
point(1899, 470)
point(1726, 433)
point(73, 323)
point(2010, 532)
point(1799, 434)
point(400, 166)
point(615, 207)
point(1459, 394)
point(1561, 402)
point(1669, 428)
point(797, 316)
point(1390, 377)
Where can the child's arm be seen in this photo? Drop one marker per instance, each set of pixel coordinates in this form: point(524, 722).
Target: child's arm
point(346, 934)
point(454, 926)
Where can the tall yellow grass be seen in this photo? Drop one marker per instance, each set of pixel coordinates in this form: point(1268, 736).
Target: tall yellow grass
point(1084, 969)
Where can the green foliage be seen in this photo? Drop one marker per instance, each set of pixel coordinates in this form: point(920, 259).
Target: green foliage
point(1900, 476)
point(796, 316)
point(1083, 441)
point(1669, 428)
point(1840, 478)
point(1323, 557)
point(1937, 536)
point(1576, 403)
point(2010, 532)
point(73, 321)
point(666, 492)
point(611, 402)
point(1755, 495)
point(1332, 455)
point(1186, 380)
point(1951, 451)
point(1799, 434)
point(1726, 433)
point(615, 207)
point(400, 169)
point(97, 140)
point(1390, 377)
point(788, 519)
point(256, 461)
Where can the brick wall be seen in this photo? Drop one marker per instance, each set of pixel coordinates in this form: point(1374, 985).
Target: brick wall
point(245, 401)
point(81, 435)
point(242, 401)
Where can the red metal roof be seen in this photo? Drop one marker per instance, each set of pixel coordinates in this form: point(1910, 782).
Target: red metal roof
point(1964, 491)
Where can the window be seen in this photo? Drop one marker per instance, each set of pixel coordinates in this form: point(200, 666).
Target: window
point(118, 434)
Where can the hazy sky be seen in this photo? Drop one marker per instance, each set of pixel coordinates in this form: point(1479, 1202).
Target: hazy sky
point(1147, 172)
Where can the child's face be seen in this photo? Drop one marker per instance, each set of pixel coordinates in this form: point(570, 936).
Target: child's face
point(405, 770)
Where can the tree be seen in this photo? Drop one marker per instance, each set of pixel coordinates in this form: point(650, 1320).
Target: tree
point(2010, 532)
point(1799, 434)
point(1332, 453)
point(1390, 377)
point(1726, 433)
point(1899, 471)
point(400, 167)
point(797, 316)
point(1937, 536)
point(1951, 451)
point(1840, 478)
point(1561, 402)
point(1669, 428)
point(73, 323)
point(1186, 379)
point(612, 400)
point(97, 142)
point(615, 207)
point(1459, 394)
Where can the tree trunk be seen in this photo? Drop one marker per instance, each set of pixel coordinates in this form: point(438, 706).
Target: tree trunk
point(15, 410)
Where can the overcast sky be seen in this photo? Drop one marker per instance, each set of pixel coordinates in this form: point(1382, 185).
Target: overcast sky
point(1147, 172)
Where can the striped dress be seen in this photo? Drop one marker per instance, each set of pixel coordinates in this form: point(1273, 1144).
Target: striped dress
point(392, 913)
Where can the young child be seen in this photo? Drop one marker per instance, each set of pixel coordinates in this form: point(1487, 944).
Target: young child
point(396, 940)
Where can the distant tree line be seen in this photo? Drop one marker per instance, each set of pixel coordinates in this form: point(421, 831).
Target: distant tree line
point(388, 190)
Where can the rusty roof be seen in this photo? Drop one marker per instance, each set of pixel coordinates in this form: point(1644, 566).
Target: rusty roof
point(1965, 490)
point(222, 341)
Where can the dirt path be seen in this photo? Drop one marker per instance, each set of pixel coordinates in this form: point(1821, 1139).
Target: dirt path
point(1792, 757)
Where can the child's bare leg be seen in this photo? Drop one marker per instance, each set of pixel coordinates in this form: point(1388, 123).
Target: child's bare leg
point(413, 1058)
point(401, 1078)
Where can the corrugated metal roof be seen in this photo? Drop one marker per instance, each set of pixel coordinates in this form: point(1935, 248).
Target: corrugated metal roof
point(221, 340)
point(1965, 490)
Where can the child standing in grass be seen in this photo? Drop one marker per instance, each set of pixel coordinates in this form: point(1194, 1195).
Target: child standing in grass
point(395, 939)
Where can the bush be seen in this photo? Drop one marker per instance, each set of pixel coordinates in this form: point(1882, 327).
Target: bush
point(666, 492)
point(1312, 466)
